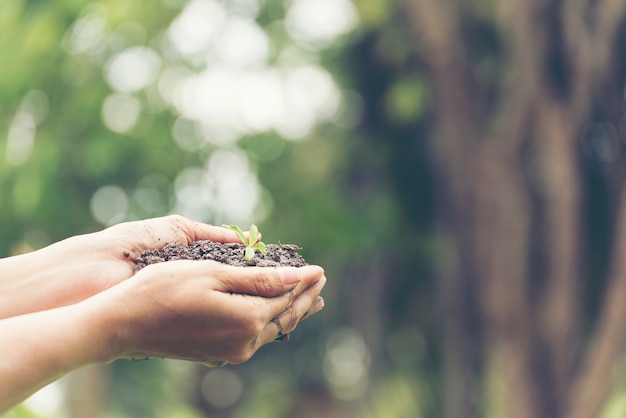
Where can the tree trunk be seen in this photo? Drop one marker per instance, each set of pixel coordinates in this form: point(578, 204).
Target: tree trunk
point(511, 197)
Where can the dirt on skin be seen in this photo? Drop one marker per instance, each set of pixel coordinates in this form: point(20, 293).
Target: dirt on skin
point(227, 253)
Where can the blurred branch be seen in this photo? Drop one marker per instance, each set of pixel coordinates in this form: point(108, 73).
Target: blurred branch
point(589, 45)
point(501, 243)
point(436, 29)
point(610, 14)
point(594, 382)
point(524, 30)
point(521, 28)
point(559, 308)
point(579, 47)
point(437, 24)
point(558, 126)
point(485, 204)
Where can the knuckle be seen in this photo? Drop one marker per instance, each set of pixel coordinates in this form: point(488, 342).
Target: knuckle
point(253, 326)
point(259, 326)
point(181, 227)
point(176, 219)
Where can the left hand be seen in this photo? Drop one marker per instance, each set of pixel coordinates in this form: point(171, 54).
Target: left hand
point(79, 267)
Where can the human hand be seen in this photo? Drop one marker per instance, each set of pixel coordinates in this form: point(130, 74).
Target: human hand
point(205, 311)
point(195, 310)
point(74, 269)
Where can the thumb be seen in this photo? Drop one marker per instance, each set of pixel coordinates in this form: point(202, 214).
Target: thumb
point(257, 281)
point(196, 231)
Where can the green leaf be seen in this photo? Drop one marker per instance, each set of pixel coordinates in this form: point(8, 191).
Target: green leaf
point(251, 243)
point(253, 235)
point(261, 247)
point(239, 233)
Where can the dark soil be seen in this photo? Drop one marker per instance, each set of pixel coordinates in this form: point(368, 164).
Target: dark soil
point(227, 253)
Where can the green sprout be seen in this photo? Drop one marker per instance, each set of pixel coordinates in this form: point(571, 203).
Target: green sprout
point(252, 242)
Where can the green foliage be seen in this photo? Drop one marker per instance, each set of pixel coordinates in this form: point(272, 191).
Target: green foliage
point(331, 190)
point(251, 242)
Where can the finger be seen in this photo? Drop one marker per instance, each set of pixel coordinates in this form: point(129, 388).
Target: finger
point(197, 231)
point(318, 305)
point(312, 281)
point(309, 276)
point(267, 282)
point(280, 335)
point(285, 322)
point(201, 231)
point(301, 306)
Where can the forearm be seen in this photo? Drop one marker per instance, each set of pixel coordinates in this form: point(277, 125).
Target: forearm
point(39, 348)
point(64, 273)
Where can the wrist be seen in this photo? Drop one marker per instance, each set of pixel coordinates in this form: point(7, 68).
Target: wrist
point(51, 343)
point(104, 322)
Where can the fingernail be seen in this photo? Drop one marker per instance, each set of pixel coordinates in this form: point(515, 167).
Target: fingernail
point(289, 275)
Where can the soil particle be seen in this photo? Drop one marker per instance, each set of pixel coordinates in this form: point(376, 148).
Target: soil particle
point(227, 253)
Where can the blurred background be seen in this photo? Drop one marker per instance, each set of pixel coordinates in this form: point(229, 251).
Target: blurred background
point(456, 167)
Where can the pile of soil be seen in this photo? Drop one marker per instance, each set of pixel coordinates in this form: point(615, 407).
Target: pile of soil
point(227, 253)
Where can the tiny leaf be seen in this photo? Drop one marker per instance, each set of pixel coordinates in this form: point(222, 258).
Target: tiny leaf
point(238, 232)
point(261, 247)
point(253, 234)
point(249, 254)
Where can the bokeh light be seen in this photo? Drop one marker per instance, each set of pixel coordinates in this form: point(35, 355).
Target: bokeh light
point(21, 138)
point(221, 388)
point(242, 44)
point(47, 401)
point(318, 23)
point(120, 112)
point(346, 364)
point(88, 35)
point(109, 204)
point(132, 69)
point(192, 33)
point(151, 196)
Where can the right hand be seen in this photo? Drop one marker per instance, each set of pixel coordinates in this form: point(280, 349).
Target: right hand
point(205, 311)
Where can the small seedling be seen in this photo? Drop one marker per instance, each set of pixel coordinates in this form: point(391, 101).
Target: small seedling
point(252, 242)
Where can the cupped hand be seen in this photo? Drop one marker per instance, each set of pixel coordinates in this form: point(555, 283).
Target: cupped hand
point(127, 240)
point(76, 268)
point(205, 311)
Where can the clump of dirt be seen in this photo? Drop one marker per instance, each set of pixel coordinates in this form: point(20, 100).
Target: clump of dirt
point(227, 253)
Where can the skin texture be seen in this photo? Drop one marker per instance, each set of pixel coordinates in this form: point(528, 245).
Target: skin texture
point(77, 302)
